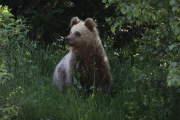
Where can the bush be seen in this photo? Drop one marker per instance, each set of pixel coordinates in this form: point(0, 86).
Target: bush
point(156, 34)
point(13, 35)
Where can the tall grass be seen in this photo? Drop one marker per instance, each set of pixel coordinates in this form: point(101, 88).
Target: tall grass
point(36, 98)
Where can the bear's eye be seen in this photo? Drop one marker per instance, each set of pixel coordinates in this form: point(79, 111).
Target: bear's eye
point(77, 34)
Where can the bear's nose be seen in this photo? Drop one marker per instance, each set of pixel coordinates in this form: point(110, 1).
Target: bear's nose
point(66, 39)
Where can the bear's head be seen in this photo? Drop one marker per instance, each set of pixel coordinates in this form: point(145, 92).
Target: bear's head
point(82, 34)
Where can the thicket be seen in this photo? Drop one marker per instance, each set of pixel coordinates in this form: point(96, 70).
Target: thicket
point(157, 26)
point(141, 39)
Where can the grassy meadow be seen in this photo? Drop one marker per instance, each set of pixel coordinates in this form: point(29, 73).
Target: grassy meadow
point(29, 93)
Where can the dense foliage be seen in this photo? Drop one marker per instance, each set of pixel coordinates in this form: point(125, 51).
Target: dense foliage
point(157, 36)
point(51, 17)
point(141, 39)
point(157, 26)
point(11, 34)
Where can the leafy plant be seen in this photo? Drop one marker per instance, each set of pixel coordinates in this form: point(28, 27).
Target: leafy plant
point(155, 26)
point(158, 24)
point(13, 35)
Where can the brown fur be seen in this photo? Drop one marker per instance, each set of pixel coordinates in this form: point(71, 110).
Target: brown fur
point(87, 56)
point(74, 20)
point(89, 23)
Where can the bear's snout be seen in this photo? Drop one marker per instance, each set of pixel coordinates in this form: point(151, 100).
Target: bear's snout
point(66, 39)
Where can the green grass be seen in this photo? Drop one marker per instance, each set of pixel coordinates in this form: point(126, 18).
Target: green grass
point(34, 97)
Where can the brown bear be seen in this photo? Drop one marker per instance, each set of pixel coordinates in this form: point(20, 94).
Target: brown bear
point(86, 62)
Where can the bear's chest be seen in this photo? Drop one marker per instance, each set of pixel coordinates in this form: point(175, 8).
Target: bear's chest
point(86, 67)
point(85, 71)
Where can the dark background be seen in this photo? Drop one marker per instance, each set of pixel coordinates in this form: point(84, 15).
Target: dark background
point(48, 18)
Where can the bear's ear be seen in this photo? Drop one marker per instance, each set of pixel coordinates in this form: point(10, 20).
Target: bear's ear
point(89, 23)
point(74, 20)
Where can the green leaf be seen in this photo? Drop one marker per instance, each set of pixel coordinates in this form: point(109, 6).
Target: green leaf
point(178, 37)
point(178, 9)
point(174, 9)
point(176, 31)
point(75, 81)
point(154, 17)
point(160, 4)
point(123, 10)
point(143, 11)
point(110, 22)
point(141, 58)
point(77, 66)
point(136, 12)
point(128, 8)
point(172, 2)
point(171, 47)
point(175, 49)
point(160, 54)
point(129, 16)
point(132, 5)
point(78, 85)
point(138, 22)
point(104, 1)
point(107, 5)
point(173, 64)
point(110, 1)
point(167, 49)
point(135, 40)
point(113, 29)
point(116, 23)
point(78, 75)
point(173, 78)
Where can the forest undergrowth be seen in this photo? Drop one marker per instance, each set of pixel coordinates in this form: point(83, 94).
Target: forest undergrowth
point(27, 92)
